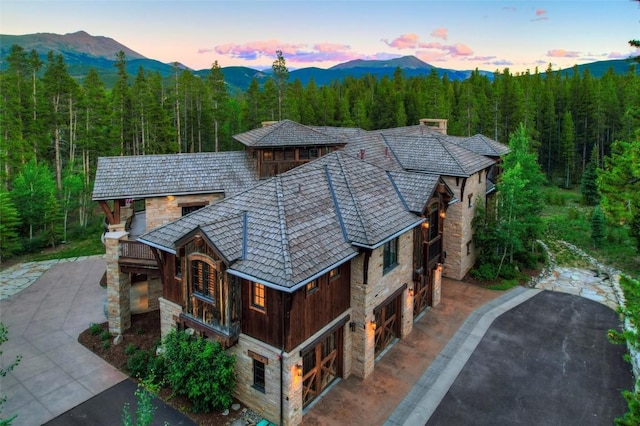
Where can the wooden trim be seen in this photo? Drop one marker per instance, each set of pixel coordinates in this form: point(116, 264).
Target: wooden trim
point(194, 204)
point(258, 357)
point(393, 295)
point(317, 340)
point(107, 211)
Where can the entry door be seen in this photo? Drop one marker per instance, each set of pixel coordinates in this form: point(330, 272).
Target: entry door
point(320, 366)
point(388, 321)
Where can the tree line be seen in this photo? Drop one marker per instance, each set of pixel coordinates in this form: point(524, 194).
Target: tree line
point(53, 128)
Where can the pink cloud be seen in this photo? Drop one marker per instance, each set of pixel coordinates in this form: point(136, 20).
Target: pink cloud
point(432, 45)
point(618, 55)
point(440, 33)
point(405, 41)
point(561, 53)
point(293, 53)
point(459, 49)
point(540, 12)
point(480, 58)
point(429, 56)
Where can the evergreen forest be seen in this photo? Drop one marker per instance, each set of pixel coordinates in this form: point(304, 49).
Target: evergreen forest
point(53, 128)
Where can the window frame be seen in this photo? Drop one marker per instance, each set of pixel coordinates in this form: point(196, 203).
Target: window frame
point(334, 274)
point(261, 295)
point(390, 255)
point(311, 287)
point(259, 375)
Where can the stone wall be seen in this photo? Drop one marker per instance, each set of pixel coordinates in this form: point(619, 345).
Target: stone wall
point(365, 298)
point(118, 285)
point(457, 225)
point(267, 403)
point(168, 312)
point(161, 210)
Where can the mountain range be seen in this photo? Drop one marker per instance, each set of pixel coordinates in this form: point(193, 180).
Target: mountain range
point(82, 51)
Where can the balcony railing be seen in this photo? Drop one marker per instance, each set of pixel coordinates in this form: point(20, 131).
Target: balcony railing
point(135, 250)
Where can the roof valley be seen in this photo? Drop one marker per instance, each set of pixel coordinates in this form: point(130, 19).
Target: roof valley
point(282, 219)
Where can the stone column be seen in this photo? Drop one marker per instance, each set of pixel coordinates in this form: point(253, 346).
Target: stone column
point(118, 286)
point(437, 286)
point(168, 310)
point(154, 292)
point(292, 408)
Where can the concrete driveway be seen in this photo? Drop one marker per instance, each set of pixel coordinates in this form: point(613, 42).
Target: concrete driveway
point(547, 361)
point(44, 320)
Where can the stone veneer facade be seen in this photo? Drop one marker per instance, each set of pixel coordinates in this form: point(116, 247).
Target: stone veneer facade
point(366, 297)
point(162, 210)
point(457, 226)
point(118, 285)
point(267, 403)
point(169, 311)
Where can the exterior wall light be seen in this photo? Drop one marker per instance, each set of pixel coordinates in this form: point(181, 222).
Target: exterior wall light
point(374, 325)
point(443, 214)
point(299, 369)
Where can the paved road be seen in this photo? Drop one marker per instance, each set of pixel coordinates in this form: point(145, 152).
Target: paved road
point(545, 362)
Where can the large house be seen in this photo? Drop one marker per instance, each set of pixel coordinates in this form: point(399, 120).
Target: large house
point(305, 255)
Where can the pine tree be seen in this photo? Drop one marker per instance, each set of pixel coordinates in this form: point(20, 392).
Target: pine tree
point(219, 99)
point(588, 184)
point(9, 223)
point(280, 75)
point(597, 227)
point(568, 147)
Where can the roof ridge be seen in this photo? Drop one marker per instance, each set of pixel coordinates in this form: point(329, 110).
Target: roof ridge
point(288, 270)
point(395, 187)
point(356, 204)
point(345, 235)
point(455, 157)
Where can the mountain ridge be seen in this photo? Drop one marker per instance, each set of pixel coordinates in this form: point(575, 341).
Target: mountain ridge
point(82, 51)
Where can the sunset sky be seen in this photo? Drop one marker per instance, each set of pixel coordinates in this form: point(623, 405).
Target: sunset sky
point(454, 34)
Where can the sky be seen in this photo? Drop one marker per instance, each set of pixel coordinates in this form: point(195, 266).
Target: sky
point(485, 34)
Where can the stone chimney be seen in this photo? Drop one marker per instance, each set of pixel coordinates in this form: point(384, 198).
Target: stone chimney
point(437, 124)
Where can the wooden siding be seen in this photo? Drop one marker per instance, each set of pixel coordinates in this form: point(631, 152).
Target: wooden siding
point(305, 314)
point(311, 312)
point(264, 325)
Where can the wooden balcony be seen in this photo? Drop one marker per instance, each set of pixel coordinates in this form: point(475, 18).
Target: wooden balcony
point(136, 257)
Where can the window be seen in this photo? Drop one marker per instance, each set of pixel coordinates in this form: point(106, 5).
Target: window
point(190, 209)
point(313, 153)
point(258, 375)
point(290, 154)
point(469, 247)
point(303, 154)
point(203, 278)
point(267, 155)
point(202, 288)
point(334, 274)
point(390, 255)
point(258, 296)
point(480, 176)
point(469, 203)
point(312, 286)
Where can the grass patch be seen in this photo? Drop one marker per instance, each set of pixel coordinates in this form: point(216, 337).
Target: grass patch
point(570, 221)
point(504, 285)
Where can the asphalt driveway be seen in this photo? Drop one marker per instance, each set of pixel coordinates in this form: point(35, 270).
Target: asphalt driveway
point(547, 361)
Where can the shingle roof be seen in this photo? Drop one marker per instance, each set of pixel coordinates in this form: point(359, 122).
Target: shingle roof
point(416, 188)
point(287, 133)
point(480, 144)
point(433, 154)
point(298, 224)
point(144, 176)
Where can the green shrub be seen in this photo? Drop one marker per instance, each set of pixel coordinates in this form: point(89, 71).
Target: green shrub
point(573, 213)
point(95, 329)
point(485, 272)
point(509, 272)
point(105, 335)
point(106, 344)
point(130, 349)
point(199, 369)
point(138, 363)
